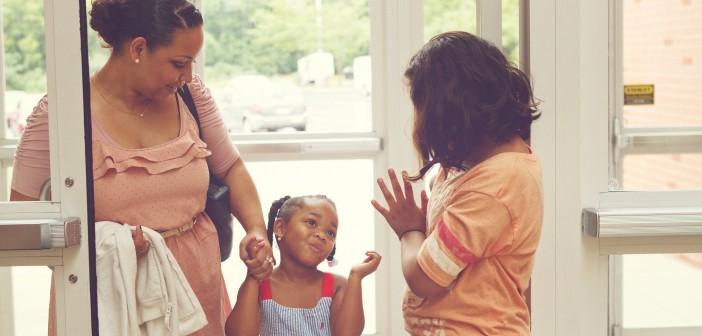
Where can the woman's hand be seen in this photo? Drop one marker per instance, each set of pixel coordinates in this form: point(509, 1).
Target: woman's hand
point(368, 266)
point(257, 255)
point(141, 245)
point(403, 214)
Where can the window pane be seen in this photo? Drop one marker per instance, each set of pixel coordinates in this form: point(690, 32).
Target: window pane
point(662, 290)
point(657, 141)
point(289, 65)
point(662, 171)
point(23, 71)
point(447, 15)
point(25, 300)
point(662, 45)
point(349, 183)
point(510, 30)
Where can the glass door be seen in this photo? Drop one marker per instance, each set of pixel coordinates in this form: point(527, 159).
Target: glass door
point(36, 236)
point(657, 150)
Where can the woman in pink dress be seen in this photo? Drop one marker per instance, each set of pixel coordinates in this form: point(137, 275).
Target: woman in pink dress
point(150, 166)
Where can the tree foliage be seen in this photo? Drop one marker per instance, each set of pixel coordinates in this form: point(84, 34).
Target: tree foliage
point(249, 36)
point(269, 36)
point(23, 28)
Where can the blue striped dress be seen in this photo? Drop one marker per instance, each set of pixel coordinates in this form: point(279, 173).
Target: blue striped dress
point(278, 320)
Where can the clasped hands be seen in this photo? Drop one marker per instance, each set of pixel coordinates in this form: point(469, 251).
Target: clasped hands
point(402, 212)
point(257, 254)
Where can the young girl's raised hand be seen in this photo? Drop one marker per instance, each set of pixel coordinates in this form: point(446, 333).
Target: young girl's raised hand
point(402, 213)
point(368, 266)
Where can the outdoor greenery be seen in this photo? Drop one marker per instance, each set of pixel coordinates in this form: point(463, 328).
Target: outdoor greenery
point(249, 36)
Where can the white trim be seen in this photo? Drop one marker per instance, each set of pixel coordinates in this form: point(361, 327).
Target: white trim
point(401, 26)
point(489, 20)
point(65, 89)
point(569, 64)
point(542, 44)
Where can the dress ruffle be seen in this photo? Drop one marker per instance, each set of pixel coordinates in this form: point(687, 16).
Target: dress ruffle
point(155, 160)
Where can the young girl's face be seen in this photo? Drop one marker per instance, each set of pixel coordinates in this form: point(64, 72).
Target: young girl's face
point(309, 236)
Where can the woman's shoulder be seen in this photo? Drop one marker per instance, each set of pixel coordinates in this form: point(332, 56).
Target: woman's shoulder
point(197, 88)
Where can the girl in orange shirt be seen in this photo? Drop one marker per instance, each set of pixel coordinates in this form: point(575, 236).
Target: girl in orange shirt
point(468, 248)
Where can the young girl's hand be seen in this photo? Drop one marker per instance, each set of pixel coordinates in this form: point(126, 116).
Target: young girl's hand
point(402, 213)
point(253, 246)
point(368, 266)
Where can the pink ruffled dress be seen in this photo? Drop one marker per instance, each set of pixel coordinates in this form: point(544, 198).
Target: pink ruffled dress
point(161, 187)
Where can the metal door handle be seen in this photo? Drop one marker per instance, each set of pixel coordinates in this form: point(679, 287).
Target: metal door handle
point(39, 234)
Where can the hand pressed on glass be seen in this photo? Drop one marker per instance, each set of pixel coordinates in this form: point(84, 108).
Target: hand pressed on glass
point(402, 213)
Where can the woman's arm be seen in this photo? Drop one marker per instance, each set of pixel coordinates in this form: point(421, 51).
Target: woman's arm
point(347, 317)
point(245, 318)
point(246, 207)
point(16, 196)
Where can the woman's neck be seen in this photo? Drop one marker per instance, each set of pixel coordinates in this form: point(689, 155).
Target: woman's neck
point(115, 80)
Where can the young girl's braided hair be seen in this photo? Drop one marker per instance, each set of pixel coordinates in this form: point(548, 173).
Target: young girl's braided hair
point(284, 207)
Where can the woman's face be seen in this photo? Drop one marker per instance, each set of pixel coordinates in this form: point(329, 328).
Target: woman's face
point(167, 67)
point(310, 234)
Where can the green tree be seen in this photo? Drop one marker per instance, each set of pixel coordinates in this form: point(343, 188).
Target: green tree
point(25, 60)
point(269, 36)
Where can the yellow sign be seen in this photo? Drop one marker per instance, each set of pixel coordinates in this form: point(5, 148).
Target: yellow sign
point(638, 94)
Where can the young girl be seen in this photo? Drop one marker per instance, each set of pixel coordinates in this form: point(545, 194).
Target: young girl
point(468, 250)
point(298, 299)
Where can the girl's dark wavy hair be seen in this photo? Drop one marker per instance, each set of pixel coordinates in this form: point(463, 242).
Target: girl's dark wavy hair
point(119, 21)
point(463, 88)
point(284, 207)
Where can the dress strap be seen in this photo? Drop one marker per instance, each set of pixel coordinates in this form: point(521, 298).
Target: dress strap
point(328, 285)
point(264, 290)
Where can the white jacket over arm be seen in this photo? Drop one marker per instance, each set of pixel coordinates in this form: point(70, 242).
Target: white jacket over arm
point(149, 296)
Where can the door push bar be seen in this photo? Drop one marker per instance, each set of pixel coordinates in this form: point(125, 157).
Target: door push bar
point(19, 234)
point(649, 222)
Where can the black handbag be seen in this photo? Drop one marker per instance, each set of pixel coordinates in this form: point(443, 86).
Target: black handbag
point(217, 207)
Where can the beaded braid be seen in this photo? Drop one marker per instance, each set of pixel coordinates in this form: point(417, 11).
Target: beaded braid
point(284, 207)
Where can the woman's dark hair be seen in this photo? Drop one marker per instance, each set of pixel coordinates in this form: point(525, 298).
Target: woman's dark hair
point(284, 207)
point(119, 21)
point(463, 88)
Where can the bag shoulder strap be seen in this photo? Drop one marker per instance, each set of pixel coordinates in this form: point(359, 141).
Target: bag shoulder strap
point(190, 103)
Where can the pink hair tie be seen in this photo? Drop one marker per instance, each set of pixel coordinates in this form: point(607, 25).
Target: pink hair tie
point(333, 262)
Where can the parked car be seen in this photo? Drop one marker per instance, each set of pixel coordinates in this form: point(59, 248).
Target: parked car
point(256, 103)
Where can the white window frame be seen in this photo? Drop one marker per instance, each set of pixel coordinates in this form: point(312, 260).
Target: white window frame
point(65, 82)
